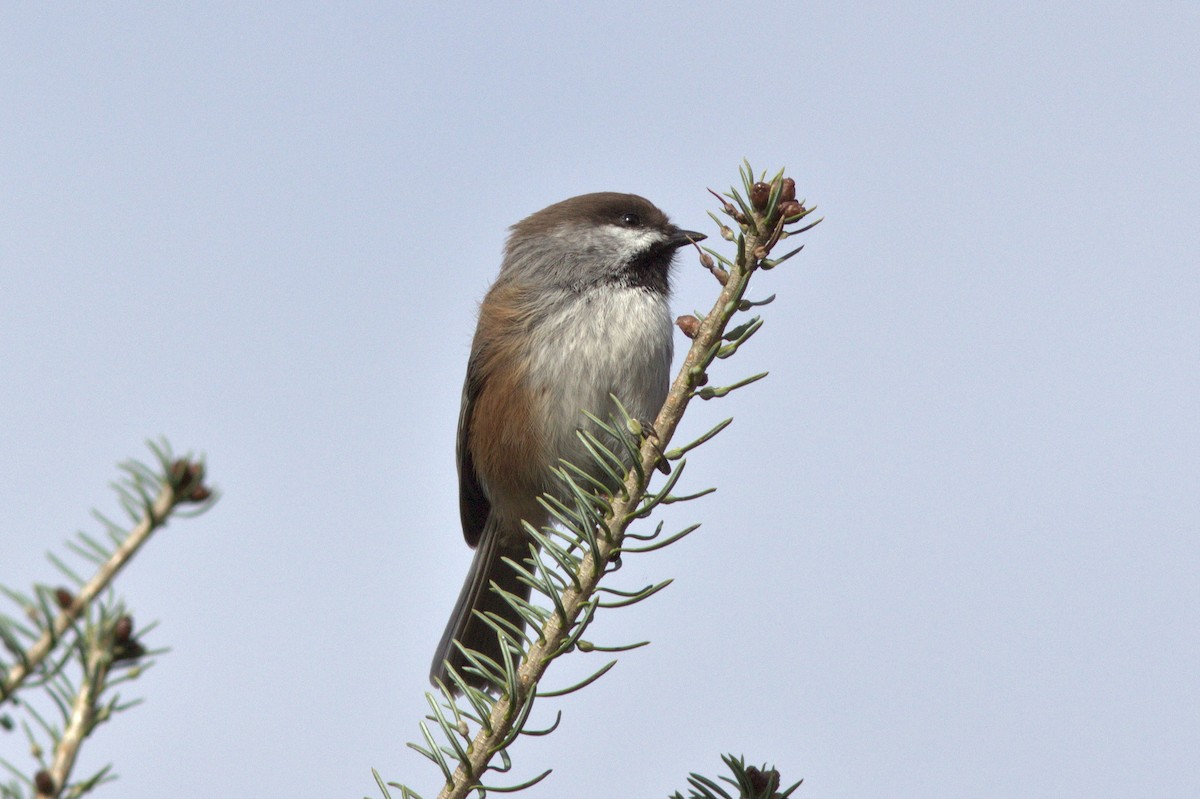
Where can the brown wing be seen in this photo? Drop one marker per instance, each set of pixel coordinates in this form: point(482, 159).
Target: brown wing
point(473, 505)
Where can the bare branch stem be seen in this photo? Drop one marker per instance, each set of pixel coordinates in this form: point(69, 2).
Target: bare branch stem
point(97, 663)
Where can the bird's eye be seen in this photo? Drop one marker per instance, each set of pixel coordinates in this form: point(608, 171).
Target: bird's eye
point(631, 220)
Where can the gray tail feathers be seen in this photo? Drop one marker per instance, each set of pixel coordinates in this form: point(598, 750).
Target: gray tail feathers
point(476, 597)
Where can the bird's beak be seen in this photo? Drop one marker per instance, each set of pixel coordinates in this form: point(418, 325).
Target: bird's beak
point(682, 238)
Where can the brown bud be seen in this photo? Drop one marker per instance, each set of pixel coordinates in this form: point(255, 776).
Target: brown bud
point(791, 210)
point(689, 324)
point(199, 494)
point(130, 650)
point(763, 782)
point(44, 783)
point(788, 192)
point(760, 193)
point(184, 473)
point(123, 630)
point(64, 598)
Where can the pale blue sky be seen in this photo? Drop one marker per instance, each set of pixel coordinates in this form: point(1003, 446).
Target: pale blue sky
point(956, 542)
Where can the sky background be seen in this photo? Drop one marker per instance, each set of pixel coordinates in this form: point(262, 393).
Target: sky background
point(956, 543)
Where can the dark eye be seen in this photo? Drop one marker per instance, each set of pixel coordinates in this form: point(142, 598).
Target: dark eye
point(631, 220)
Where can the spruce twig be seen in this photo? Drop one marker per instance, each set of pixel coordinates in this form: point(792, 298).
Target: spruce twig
point(567, 565)
point(76, 646)
point(182, 482)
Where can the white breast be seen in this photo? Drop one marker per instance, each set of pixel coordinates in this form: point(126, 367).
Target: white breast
point(605, 341)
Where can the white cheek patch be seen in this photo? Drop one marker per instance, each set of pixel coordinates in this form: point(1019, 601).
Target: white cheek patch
point(631, 242)
point(623, 243)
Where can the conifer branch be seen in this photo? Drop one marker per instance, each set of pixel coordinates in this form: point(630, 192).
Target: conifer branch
point(567, 563)
point(182, 481)
point(76, 646)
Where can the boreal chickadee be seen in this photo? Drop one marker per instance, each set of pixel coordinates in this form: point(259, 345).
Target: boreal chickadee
point(579, 313)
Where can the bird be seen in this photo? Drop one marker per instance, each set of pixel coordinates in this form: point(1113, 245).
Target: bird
point(578, 314)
